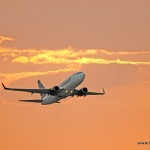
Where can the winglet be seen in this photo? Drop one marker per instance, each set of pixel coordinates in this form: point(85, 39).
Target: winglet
point(103, 90)
point(4, 86)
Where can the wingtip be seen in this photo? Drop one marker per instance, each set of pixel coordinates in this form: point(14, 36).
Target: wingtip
point(103, 90)
point(3, 86)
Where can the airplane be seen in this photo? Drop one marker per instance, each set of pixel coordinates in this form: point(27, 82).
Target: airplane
point(57, 93)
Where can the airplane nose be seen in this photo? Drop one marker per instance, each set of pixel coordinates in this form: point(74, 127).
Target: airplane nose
point(83, 75)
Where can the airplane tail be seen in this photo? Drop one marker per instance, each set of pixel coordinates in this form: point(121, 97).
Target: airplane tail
point(41, 86)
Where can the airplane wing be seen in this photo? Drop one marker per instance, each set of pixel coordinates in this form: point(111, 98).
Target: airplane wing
point(43, 91)
point(79, 93)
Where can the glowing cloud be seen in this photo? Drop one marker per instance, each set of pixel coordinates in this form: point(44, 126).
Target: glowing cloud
point(107, 52)
point(85, 60)
point(67, 56)
point(9, 78)
point(3, 38)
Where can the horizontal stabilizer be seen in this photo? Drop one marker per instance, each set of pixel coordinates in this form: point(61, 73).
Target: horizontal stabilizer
point(32, 101)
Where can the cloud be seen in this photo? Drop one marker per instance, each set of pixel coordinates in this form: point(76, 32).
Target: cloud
point(69, 53)
point(68, 56)
point(8, 78)
point(107, 52)
point(3, 38)
point(85, 60)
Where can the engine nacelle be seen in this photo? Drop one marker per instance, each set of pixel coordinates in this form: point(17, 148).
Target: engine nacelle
point(55, 88)
point(84, 90)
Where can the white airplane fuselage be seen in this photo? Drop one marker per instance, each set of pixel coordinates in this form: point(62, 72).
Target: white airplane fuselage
point(67, 87)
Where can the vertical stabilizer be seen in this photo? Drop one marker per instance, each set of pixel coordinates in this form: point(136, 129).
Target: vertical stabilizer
point(41, 86)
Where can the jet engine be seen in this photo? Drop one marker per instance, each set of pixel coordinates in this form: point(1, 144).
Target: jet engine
point(83, 91)
point(55, 88)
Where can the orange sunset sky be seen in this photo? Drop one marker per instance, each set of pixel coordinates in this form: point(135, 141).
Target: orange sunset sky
point(49, 40)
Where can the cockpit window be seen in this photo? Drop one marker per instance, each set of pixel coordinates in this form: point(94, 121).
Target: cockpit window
point(66, 81)
point(79, 72)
